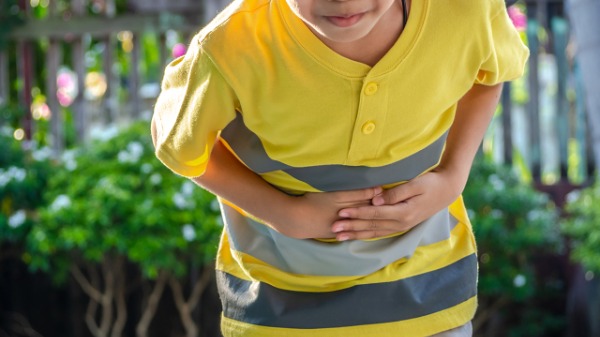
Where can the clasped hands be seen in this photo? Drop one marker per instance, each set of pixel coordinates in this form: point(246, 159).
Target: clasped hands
point(372, 212)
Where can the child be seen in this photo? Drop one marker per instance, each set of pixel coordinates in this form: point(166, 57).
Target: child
point(339, 135)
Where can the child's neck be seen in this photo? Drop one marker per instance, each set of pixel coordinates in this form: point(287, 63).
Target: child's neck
point(373, 47)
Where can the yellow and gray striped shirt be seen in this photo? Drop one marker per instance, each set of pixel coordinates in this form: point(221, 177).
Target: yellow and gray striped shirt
point(307, 120)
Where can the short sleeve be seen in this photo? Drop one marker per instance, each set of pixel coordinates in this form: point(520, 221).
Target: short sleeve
point(507, 53)
point(195, 103)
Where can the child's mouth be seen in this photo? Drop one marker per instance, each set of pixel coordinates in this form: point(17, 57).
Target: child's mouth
point(345, 21)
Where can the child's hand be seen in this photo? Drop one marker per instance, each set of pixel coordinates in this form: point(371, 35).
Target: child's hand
point(400, 208)
point(313, 213)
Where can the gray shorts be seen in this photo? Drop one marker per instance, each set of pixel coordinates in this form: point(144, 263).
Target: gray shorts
point(462, 331)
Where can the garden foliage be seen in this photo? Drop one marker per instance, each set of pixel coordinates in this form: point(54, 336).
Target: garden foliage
point(583, 226)
point(113, 215)
point(514, 226)
point(23, 178)
point(114, 197)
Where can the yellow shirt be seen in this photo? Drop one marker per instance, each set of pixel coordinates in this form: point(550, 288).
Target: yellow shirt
point(308, 119)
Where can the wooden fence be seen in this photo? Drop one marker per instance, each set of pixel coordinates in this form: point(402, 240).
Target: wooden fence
point(548, 132)
point(65, 34)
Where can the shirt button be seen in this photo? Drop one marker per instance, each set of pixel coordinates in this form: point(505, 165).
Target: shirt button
point(368, 128)
point(371, 88)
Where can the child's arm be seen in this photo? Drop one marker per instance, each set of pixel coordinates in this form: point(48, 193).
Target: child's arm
point(403, 207)
point(302, 217)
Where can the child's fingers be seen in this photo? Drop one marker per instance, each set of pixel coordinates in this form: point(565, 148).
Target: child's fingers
point(398, 212)
point(363, 235)
point(397, 194)
point(374, 225)
point(357, 195)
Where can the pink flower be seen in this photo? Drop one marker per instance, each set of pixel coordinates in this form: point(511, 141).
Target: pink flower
point(519, 19)
point(179, 50)
point(64, 80)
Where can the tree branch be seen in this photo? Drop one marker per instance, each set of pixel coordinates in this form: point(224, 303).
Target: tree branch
point(107, 297)
point(141, 329)
point(120, 302)
point(85, 285)
point(184, 308)
point(485, 314)
point(207, 273)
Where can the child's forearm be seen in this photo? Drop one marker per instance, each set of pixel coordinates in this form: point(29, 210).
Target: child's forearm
point(473, 115)
point(301, 217)
point(228, 178)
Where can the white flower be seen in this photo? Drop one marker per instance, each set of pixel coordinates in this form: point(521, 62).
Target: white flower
point(17, 219)
point(71, 165)
point(535, 215)
point(134, 152)
point(214, 205)
point(42, 154)
point(104, 133)
point(18, 174)
point(187, 188)
point(189, 233)
point(496, 213)
point(146, 168)
point(519, 280)
point(573, 196)
point(6, 131)
point(149, 90)
point(124, 157)
point(155, 179)
point(13, 173)
point(62, 201)
point(181, 201)
point(496, 182)
point(70, 159)
point(4, 178)
point(69, 155)
point(136, 149)
point(589, 275)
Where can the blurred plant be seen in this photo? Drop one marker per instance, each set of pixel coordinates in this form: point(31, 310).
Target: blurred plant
point(66, 83)
point(513, 225)
point(583, 226)
point(113, 204)
point(24, 175)
point(518, 17)
point(10, 18)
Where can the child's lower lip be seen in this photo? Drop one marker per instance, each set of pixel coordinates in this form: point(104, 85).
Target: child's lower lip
point(345, 21)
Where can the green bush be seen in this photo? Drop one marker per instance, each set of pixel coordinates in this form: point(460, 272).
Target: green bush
point(582, 226)
point(116, 218)
point(24, 176)
point(115, 197)
point(514, 224)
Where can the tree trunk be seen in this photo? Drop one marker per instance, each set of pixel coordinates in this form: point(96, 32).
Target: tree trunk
point(151, 305)
point(186, 308)
point(584, 15)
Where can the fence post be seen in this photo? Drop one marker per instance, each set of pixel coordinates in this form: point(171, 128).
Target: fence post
point(585, 25)
point(4, 83)
point(534, 99)
point(507, 124)
point(110, 96)
point(79, 107)
point(134, 75)
point(559, 30)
